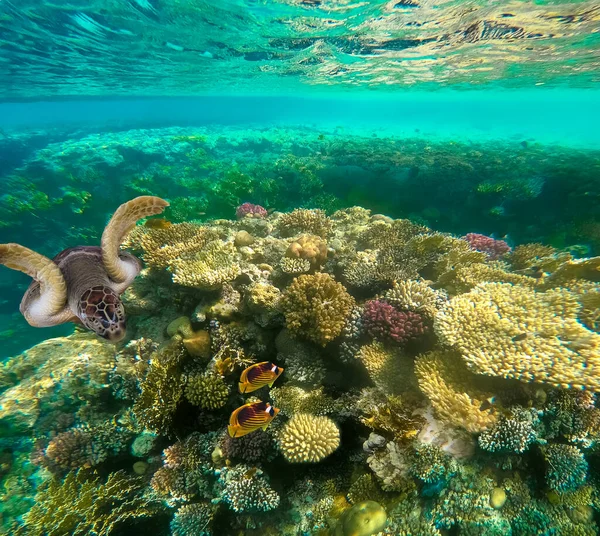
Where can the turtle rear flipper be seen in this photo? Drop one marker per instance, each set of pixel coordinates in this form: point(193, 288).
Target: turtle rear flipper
point(123, 220)
point(44, 305)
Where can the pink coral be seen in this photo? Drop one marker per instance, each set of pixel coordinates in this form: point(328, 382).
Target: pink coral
point(384, 322)
point(250, 210)
point(492, 247)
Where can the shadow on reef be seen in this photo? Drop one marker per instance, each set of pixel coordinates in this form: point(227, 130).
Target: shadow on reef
point(433, 384)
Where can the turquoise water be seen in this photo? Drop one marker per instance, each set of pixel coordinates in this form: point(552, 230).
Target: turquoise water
point(389, 209)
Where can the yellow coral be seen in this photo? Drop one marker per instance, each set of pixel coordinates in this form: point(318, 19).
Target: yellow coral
point(209, 391)
point(450, 387)
point(181, 325)
point(216, 264)
point(308, 438)
point(305, 221)
point(161, 246)
point(529, 255)
point(574, 270)
point(316, 306)
point(515, 332)
point(415, 295)
point(388, 369)
point(262, 296)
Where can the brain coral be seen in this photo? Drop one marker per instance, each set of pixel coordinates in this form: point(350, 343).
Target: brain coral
point(450, 387)
point(307, 438)
point(515, 332)
point(316, 306)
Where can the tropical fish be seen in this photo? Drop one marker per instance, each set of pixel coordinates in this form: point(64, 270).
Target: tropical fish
point(259, 375)
point(251, 417)
point(158, 223)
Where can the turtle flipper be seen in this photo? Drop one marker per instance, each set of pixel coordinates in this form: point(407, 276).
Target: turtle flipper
point(49, 307)
point(123, 220)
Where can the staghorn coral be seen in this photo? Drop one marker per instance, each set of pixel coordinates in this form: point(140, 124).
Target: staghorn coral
point(385, 323)
point(216, 264)
point(493, 248)
point(206, 390)
point(566, 467)
point(308, 438)
point(452, 391)
point(514, 332)
point(316, 307)
point(193, 520)
point(304, 221)
point(415, 295)
point(161, 389)
point(160, 247)
point(310, 247)
point(246, 490)
point(82, 504)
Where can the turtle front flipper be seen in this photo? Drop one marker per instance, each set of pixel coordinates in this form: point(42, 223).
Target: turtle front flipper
point(44, 305)
point(123, 220)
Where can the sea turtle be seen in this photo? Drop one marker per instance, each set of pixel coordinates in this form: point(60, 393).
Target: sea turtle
point(83, 284)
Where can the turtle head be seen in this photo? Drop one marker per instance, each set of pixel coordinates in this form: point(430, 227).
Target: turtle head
point(100, 310)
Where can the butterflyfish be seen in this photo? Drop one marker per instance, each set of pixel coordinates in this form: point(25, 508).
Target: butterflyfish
point(251, 417)
point(259, 375)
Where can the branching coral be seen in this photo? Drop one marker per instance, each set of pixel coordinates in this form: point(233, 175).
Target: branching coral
point(388, 369)
point(529, 255)
point(316, 306)
point(308, 438)
point(385, 323)
point(493, 248)
point(573, 416)
point(207, 390)
point(514, 332)
point(509, 434)
point(294, 266)
point(250, 448)
point(566, 467)
point(415, 295)
point(430, 464)
point(305, 221)
point(215, 264)
point(246, 489)
point(81, 504)
point(292, 399)
point(85, 446)
point(452, 390)
point(193, 519)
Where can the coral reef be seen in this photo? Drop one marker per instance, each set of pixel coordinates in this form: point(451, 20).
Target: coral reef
point(246, 489)
point(384, 322)
point(193, 519)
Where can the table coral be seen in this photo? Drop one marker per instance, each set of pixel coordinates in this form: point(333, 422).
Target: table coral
point(515, 332)
point(216, 264)
point(453, 392)
point(316, 307)
point(308, 438)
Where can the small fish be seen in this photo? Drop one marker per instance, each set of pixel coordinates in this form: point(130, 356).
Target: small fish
point(519, 337)
point(259, 375)
point(158, 223)
point(488, 403)
point(251, 417)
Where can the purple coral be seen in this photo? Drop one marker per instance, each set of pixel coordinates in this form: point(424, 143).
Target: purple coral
point(249, 448)
point(490, 246)
point(251, 211)
point(384, 322)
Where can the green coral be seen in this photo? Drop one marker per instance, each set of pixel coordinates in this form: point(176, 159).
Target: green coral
point(566, 467)
point(207, 390)
point(316, 307)
point(193, 519)
point(83, 504)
